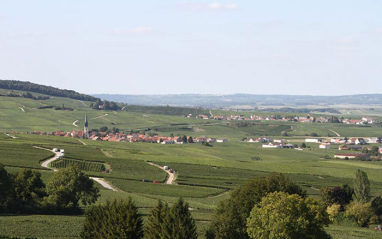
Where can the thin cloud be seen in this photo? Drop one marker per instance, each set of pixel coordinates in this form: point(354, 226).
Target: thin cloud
point(218, 6)
point(141, 29)
point(137, 30)
point(207, 7)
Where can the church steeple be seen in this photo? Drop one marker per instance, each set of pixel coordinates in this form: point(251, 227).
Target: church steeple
point(86, 130)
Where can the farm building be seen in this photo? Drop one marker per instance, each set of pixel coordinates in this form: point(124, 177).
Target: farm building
point(278, 145)
point(313, 140)
point(221, 140)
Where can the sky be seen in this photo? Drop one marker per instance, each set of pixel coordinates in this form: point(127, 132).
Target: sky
point(294, 47)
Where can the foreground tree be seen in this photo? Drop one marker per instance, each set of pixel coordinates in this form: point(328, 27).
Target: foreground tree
point(6, 186)
point(281, 215)
point(231, 216)
point(179, 222)
point(29, 190)
point(167, 223)
point(68, 187)
point(155, 225)
point(117, 219)
point(361, 187)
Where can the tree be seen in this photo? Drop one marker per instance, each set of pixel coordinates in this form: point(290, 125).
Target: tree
point(337, 195)
point(231, 216)
point(28, 185)
point(117, 219)
point(280, 215)
point(6, 186)
point(376, 204)
point(284, 133)
point(176, 222)
point(103, 129)
point(303, 145)
point(374, 151)
point(29, 190)
point(184, 139)
point(155, 226)
point(361, 212)
point(361, 187)
point(179, 222)
point(68, 186)
point(190, 140)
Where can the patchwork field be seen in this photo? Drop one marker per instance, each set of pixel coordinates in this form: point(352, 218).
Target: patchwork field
point(204, 175)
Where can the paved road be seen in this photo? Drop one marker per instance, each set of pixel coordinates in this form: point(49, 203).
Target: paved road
point(171, 177)
point(98, 180)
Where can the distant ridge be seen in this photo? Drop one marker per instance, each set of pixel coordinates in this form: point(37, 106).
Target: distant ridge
point(42, 89)
point(217, 101)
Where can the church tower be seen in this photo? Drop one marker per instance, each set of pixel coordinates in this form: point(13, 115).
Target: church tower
point(86, 129)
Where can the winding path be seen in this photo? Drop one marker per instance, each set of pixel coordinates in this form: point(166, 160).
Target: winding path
point(336, 133)
point(98, 180)
point(171, 177)
point(75, 123)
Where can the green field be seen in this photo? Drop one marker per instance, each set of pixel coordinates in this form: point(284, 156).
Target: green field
point(204, 175)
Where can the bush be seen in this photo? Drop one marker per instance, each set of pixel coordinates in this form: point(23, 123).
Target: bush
point(362, 213)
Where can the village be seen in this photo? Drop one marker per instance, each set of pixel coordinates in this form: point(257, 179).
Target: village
point(122, 137)
point(353, 144)
point(308, 119)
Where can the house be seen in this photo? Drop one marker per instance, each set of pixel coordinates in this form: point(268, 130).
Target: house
point(360, 141)
point(278, 141)
point(258, 140)
point(368, 120)
point(221, 140)
point(272, 145)
point(324, 146)
point(278, 145)
point(371, 140)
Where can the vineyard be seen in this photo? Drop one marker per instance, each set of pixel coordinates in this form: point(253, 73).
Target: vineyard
point(84, 165)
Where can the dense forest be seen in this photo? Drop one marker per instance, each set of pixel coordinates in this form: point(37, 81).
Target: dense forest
point(47, 90)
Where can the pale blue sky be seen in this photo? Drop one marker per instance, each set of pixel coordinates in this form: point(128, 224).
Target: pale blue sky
point(211, 47)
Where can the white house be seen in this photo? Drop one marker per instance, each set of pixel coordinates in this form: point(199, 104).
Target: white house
point(272, 145)
point(221, 140)
point(325, 146)
point(278, 141)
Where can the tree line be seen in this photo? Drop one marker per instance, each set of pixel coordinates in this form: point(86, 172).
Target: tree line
point(26, 193)
point(47, 90)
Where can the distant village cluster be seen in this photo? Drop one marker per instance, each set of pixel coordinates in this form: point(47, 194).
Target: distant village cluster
point(308, 119)
point(354, 144)
point(122, 137)
point(344, 143)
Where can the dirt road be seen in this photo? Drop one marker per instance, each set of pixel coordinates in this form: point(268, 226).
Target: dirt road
point(171, 177)
point(98, 180)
